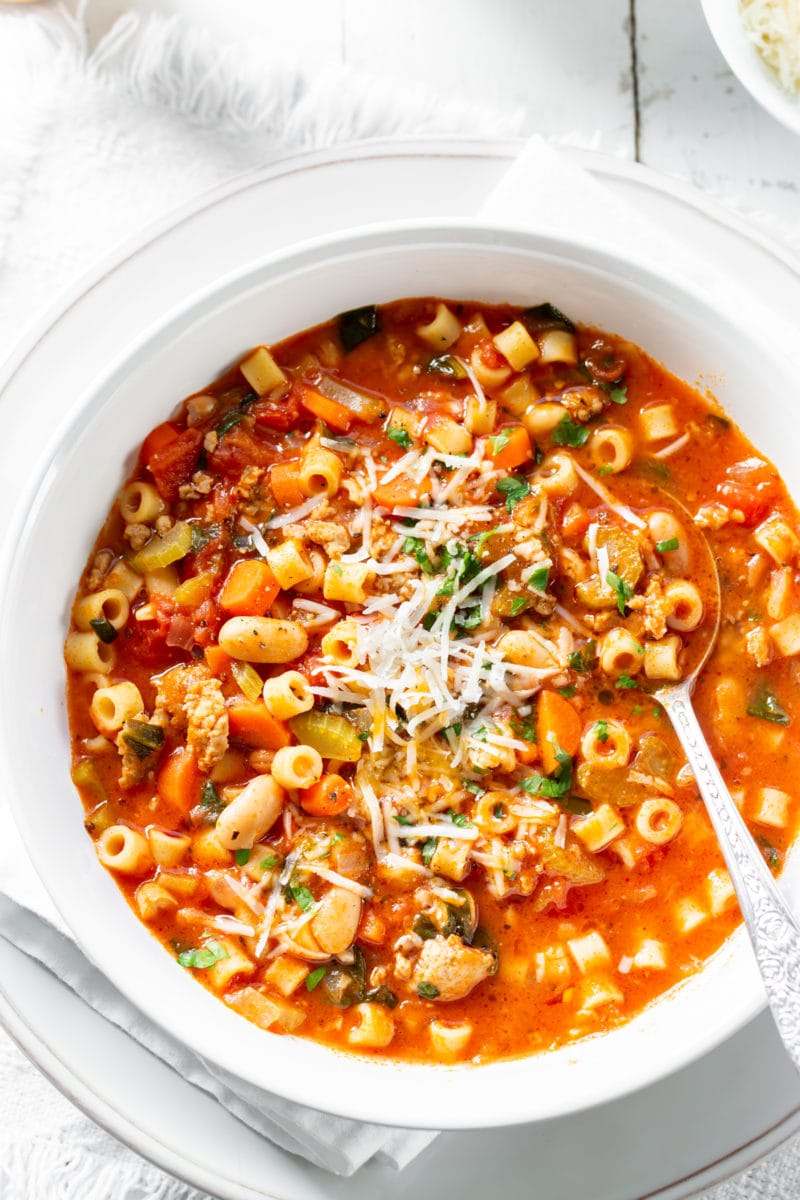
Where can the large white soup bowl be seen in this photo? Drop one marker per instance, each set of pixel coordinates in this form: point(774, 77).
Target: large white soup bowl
point(89, 458)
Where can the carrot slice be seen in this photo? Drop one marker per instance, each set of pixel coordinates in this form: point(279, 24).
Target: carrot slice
point(217, 660)
point(284, 484)
point(178, 781)
point(401, 492)
point(330, 411)
point(249, 589)
point(327, 798)
point(251, 722)
point(510, 447)
point(557, 724)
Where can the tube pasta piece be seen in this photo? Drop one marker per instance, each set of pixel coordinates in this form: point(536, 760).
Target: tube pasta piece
point(140, 503)
point(374, 1029)
point(314, 584)
point(442, 331)
point(611, 449)
point(168, 849)
point(266, 1011)
point(449, 1041)
point(517, 346)
point(786, 636)
point(600, 828)
point(772, 807)
point(606, 743)
point(589, 952)
point(297, 766)
point(286, 973)
point(290, 563)
point(287, 694)
point(208, 853)
point(528, 650)
point(521, 395)
point(109, 605)
point(319, 472)
point(152, 901)
point(684, 605)
point(112, 706)
point(658, 422)
point(263, 639)
point(261, 371)
point(86, 654)
point(688, 915)
point(661, 658)
point(123, 578)
point(659, 820)
point(557, 345)
point(779, 540)
point(447, 436)
point(345, 581)
point(721, 892)
point(557, 475)
point(123, 849)
point(487, 376)
point(620, 653)
point(480, 415)
point(598, 993)
point(226, 969)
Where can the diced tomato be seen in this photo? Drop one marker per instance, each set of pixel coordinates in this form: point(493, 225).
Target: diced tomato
point(239, 449)
point(156, 440)
point(279, 415)
point(752, 487)
point(148, 639)
point(175, 463)
point(310, 665)
point(207, 623)
point(489, 355)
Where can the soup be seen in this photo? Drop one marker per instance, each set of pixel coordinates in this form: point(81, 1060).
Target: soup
point(360, 680)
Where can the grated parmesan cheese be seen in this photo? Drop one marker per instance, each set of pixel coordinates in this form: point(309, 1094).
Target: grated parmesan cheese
point(773, 26)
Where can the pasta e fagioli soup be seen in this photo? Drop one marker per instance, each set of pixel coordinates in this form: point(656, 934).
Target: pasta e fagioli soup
point(361, 672)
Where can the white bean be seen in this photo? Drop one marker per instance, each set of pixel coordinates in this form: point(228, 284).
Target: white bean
point(336, 921)
point(263, 639)
point(251, 814)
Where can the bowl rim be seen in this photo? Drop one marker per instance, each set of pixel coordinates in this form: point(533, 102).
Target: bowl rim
point(755, 75)
point(470, 233)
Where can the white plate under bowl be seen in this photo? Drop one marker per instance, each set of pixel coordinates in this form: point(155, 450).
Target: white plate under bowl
point(683, 1134)
point(725, 22)
point(81, 474)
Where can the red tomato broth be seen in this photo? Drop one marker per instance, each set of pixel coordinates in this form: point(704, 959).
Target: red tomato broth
point(510, 1012)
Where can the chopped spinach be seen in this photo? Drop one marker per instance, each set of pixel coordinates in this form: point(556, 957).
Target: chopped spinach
point(357, 325)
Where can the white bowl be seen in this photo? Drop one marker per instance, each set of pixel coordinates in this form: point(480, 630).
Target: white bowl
point(88, 460)
point(725, 22)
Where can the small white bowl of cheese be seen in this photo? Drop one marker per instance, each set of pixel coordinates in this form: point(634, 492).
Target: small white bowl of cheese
point(760, 40)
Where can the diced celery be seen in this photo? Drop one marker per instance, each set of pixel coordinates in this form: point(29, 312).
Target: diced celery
point(99, 819)
point(195, 591)
point(247, 678)
point(329, 734)
point(84, 776)
point(163, 549)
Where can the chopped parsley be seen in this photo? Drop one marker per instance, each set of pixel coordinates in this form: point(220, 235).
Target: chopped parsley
point(497, 812)
point(401, 436)
point(552, 786)
point(569, 433)
point(518, 605)
point(269, 861)
point(771, 855)
point(668, 544)
point(601, 731)
point(203, 957)
point(524, 728)
point(427, 991)
point(416, 548)
point(429, 849)
point(567, 692)
point(209, 798)
point(104, 630)
point(625, 681)
point(480, 539)
point(500, 441)
point(514, 488)
point(623, 590)
point(473, 787)
point(459, 819)
point(765, 705)
point(618, 395)
point(402, 819)
point(582, 661)
point(314, 978)
point(302, 896)
point(538, 580)
point(242, 857)
point(460, 565)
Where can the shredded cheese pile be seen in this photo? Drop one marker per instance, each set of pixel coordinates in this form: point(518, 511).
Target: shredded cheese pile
point(774, 28)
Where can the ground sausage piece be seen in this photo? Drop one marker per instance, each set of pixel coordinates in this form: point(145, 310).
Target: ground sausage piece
point(193, 699)
point(452, 967)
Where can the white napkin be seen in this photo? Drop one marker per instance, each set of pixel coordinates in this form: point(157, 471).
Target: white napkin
point(541, 185)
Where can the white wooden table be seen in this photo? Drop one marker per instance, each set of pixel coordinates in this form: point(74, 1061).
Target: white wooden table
point(640, 79)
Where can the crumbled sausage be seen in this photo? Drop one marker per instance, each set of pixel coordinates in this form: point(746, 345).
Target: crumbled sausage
point(653, 607)
point(133, 768)
point(451, 967)
point(759, 646)
point(192, 699)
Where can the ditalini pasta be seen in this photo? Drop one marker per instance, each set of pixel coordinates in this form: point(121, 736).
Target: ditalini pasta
point(360, 679)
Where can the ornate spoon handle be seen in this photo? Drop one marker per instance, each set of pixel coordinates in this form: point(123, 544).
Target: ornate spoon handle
point(773, 928)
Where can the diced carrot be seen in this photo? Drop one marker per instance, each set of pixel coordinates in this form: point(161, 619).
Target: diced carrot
point(330, 411)
point(157, 439)
point(331, 796)
point(575, 521)
point(510, 447)
point(557, 725)
point(178, 781)
point(252, 723)
point(401, 492)
point(285, 485)
point(249, 589)
point(218, 662)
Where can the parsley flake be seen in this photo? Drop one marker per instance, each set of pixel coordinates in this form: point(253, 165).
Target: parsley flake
point(668, 544)
point(623, 590)
point(625, 681)
point(514, 488)
point(242, 857)
point(569, 433)
point(539, 578)
point(400, 436)
point(427, 991)
point(203, 957)
point(314, 978)
point(500, 441)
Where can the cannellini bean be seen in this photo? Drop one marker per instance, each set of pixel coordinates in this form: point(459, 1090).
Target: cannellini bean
point(336, 921)
point(251, 814)
point(263, 639)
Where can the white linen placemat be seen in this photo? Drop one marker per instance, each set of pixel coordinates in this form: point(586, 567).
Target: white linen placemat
point(179, 112)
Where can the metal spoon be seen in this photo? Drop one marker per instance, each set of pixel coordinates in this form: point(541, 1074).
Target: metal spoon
point(774, 930)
